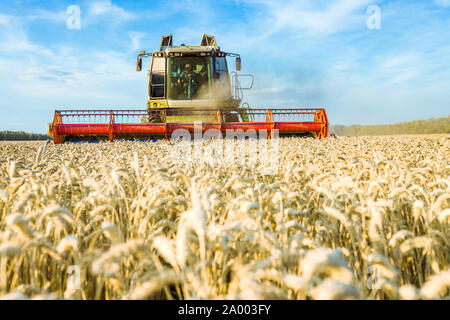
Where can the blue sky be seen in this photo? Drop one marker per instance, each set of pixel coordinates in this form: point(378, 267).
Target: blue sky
point(302, 53)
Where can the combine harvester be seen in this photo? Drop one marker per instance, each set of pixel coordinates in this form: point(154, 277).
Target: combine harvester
point(189, 87)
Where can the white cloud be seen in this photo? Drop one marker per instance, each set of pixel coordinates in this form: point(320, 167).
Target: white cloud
point(112, 11)
point(443, 3)
point(313, 17)
point(135, 40)
point(50, 16)
point(401, 68)
point(13, 39)
point(4, 20)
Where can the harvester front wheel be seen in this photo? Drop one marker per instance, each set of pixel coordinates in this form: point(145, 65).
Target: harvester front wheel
point(151, 119)
point(231, 117)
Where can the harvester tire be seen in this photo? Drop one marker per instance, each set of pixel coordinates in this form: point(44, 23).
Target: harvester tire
point(231, 117)
point(151, 119)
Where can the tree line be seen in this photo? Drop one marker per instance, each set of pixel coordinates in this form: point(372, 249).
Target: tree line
point(21, 136)
point(429, 126)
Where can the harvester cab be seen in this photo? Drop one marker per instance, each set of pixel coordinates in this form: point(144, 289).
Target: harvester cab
point(191, 77)
point(189, 88)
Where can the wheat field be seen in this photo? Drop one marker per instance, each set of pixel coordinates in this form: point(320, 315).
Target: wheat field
point(347, 218)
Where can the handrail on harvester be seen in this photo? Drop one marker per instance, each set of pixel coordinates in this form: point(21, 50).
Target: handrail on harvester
point(117, 122)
